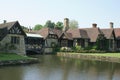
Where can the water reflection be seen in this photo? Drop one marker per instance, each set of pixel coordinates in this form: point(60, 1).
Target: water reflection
point(60, 68)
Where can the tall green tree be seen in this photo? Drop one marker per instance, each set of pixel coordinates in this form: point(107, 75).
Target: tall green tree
point(38, 27)
point(73, 24)
point(59, 25)
point(49, 24)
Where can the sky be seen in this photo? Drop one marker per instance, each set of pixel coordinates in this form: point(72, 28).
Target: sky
point(86, 12)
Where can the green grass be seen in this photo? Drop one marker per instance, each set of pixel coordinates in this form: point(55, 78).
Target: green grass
point(12, 56)
point(101, 54)
point(107, 54)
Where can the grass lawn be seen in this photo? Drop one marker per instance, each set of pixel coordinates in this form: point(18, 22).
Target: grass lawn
point(106, 54)
point(12, 56)
point(101, 54)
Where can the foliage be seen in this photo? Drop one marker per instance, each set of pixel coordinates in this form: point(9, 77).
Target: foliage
point(73, 24)
point(102, 43)
point(49, 24)
point(59, 25)
point(65, 49)
point(77, 48)
point(38, 27)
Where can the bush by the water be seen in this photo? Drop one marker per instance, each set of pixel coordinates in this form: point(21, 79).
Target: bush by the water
point(79, 49)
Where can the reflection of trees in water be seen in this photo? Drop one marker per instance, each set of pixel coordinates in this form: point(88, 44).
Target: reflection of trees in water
point(95, 70)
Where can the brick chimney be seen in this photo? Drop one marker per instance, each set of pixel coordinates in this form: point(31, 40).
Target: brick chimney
point(94, 25)
point(111, 24)
point(4, 21)
point(66, 24)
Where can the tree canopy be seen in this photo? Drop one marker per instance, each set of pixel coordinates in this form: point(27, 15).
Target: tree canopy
point(73, 24)
point(59, 25)
point(38, 27)
point(49, 24)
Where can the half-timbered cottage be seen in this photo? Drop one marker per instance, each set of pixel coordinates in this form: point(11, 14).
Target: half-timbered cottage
point(50, 39)
point(12, 38)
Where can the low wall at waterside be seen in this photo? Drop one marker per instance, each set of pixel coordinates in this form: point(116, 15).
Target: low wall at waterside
point(89, 57)
point(18, 62)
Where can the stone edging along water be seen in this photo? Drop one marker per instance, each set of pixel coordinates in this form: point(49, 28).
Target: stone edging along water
point(18, 62)
point(89, 57)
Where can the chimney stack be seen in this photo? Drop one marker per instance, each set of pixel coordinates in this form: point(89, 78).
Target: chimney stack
point(111, 24)
point(66, 24)
point(94, 25)
point(4, 21)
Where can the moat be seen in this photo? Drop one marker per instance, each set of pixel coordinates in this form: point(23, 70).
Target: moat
point(51, 67)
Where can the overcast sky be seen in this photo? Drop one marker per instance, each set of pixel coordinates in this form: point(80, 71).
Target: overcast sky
point(86, 12)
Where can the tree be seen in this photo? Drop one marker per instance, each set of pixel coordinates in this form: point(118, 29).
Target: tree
point(73, 24)
point(49, 24)
point(59, 25)
point(38, 27)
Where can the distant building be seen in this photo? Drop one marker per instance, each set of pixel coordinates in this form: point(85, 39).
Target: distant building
point(83, 37)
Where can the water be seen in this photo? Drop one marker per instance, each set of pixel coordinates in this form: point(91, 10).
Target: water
point(59, 68)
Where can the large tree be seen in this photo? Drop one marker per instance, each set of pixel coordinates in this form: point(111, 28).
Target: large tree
point(49, 24)
point(59, 25)
point(38, 27)
point(73, 24)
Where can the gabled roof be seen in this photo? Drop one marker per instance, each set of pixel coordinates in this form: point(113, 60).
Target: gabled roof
point(5, 27)
point(43, 32)
point(78, 33)
point(58, 32)
point(66, 35)
point(117, 32)
point(93, 33)
point(8, 25)
point(83, 34)
point(107, 32)
point(75, 33)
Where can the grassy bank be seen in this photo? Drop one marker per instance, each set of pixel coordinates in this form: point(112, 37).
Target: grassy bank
point(12, 56)
point(101, 54)
point(107, 54)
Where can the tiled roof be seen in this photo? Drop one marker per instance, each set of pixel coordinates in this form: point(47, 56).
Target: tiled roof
point(117, 32)
point(5, 27)
point(66, 35)
point(78, 33)
point(75, 33)
point(8, 25)
point(93, 33)
point(43, 32)
point(58, 32)
point(107, 32)
point(83, 34)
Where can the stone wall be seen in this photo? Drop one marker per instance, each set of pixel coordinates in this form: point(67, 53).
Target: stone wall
point(20, 48)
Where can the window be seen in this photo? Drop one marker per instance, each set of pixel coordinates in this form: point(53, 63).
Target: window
point(15, 40)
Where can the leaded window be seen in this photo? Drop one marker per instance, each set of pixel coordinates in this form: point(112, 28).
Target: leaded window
point(15, 40)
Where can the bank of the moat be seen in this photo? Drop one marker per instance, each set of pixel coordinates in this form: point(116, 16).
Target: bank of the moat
point(15, 59)
point(109, 57)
